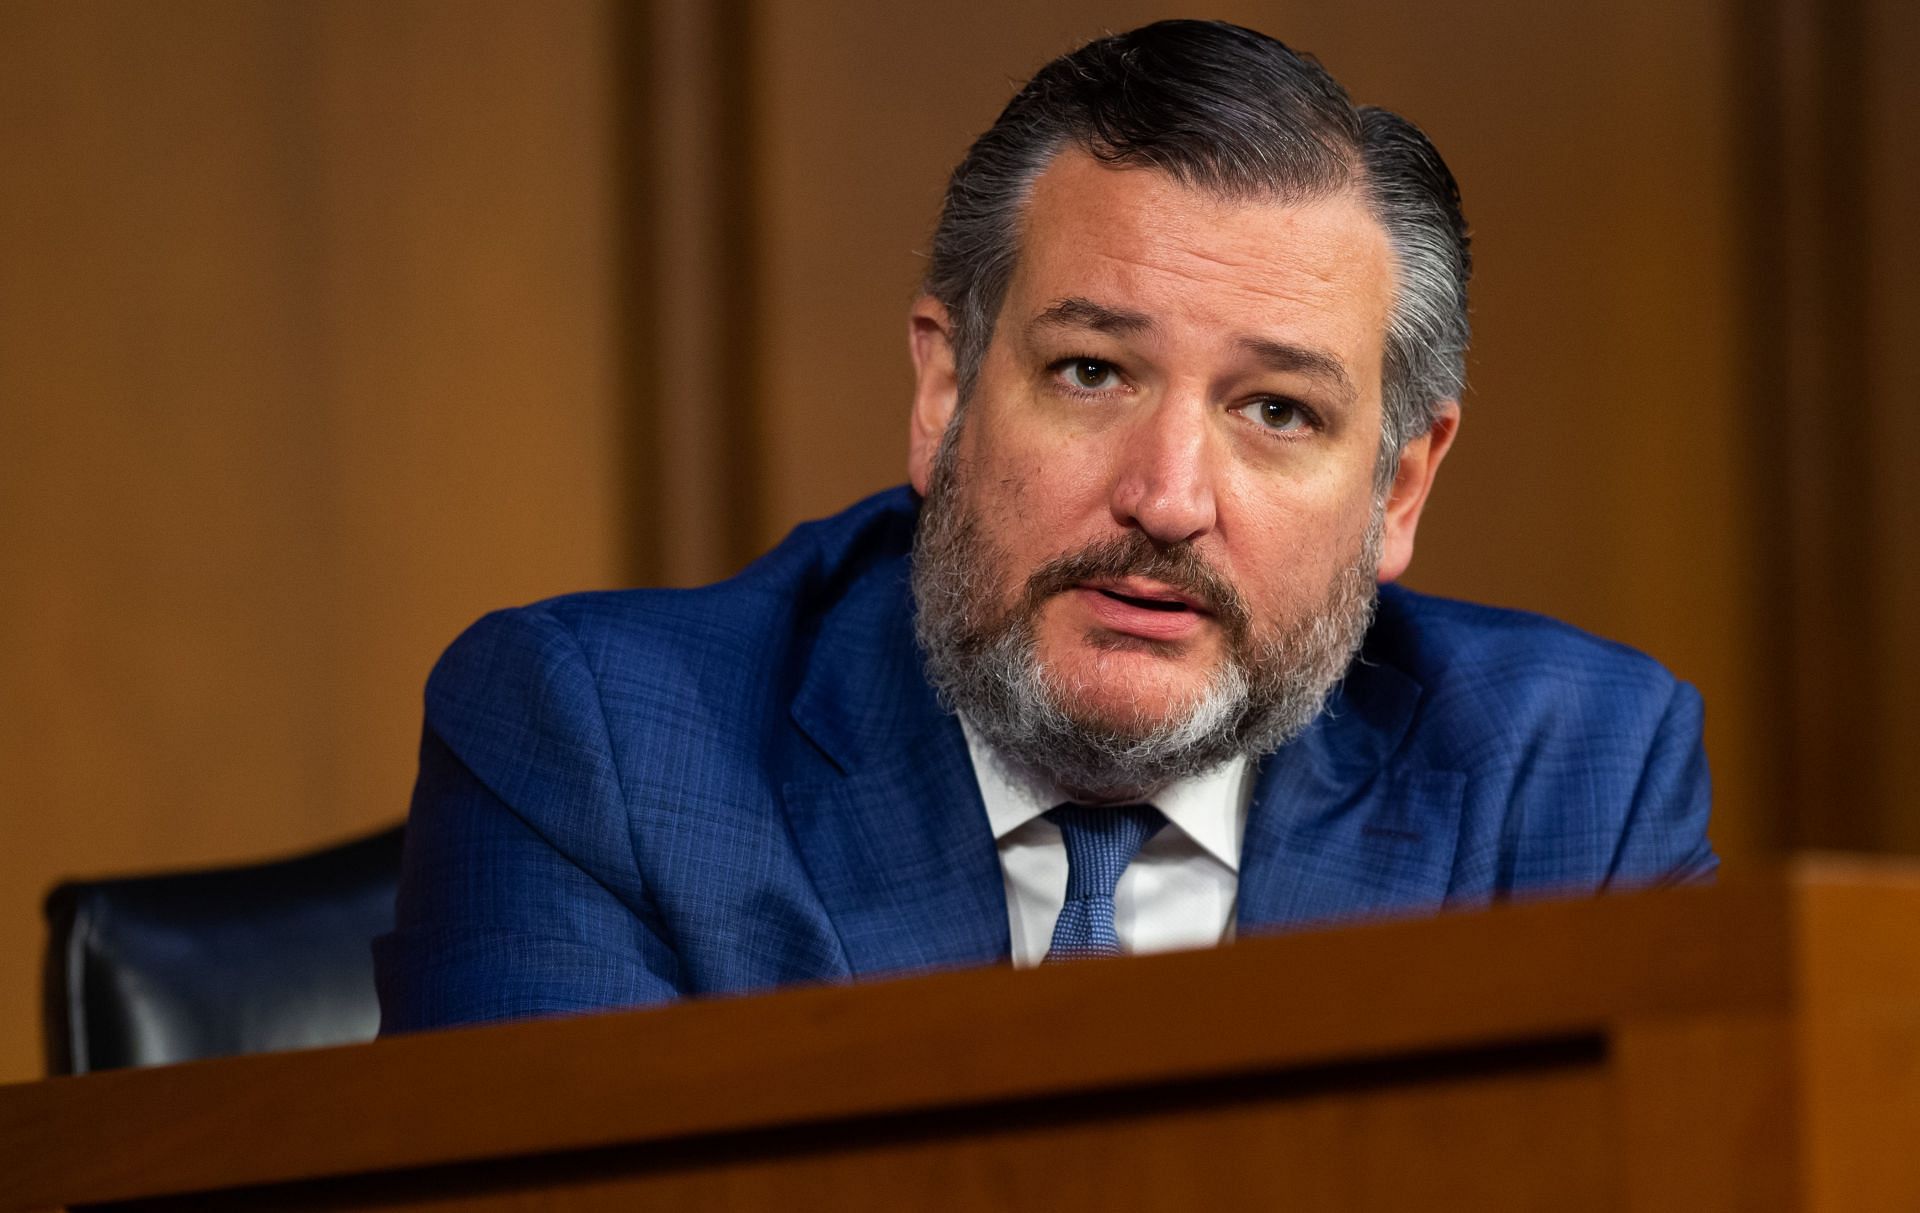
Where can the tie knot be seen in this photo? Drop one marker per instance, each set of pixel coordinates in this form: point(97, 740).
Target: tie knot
point(1101, 841)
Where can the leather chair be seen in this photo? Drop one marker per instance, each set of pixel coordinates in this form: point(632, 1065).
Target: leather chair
point(156, 969)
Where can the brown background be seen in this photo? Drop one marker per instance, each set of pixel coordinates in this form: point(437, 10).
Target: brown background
point(326, 327)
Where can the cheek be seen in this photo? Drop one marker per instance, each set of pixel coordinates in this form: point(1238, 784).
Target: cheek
point(1041, 488)
point(1289, 551)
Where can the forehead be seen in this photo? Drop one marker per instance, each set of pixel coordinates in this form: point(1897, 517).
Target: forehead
point(1188, 258)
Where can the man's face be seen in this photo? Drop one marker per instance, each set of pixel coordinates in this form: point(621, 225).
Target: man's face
point(1182, 381)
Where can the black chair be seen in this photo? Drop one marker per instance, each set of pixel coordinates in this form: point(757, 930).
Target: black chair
point(155, 969)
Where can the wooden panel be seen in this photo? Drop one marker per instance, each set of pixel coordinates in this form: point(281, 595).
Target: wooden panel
point(1707, 1113)
point(1747, 1047)
point(1604, 472)
point(693, 480)
point(1859, 1047)
point(306, 359)
point(1809, 314)
point(1554, 974)
point(1837, 311)
point(1499, 1138)
point(1891, 108)
point(1751, 1046)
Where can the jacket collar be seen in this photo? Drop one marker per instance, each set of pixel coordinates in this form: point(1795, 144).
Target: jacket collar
point(1343, 823)
point(896, 839)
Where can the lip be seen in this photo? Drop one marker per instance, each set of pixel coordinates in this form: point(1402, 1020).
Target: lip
point(1180, 620)
point(1148, 588)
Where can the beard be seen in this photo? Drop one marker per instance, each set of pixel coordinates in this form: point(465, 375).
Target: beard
point(983, 659)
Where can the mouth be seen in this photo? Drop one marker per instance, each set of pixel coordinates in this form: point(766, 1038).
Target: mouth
point(1143, 609)
point(1148, 596)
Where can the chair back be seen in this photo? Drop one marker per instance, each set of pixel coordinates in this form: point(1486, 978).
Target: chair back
point(155, 969)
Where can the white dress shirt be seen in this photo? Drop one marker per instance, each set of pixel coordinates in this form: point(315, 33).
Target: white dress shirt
point(1178, 892)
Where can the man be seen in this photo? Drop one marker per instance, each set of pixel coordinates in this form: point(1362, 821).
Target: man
point(1115, 676)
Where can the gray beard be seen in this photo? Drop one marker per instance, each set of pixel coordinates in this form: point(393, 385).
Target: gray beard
point(982, 658)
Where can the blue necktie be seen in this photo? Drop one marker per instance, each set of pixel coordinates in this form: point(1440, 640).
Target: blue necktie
point(1101, 841)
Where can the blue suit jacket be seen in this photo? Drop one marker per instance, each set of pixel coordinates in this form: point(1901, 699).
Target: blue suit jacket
point(631, 797)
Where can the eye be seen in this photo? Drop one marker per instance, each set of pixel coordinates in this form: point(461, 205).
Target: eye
point(1089, 374)
point(1277, 413)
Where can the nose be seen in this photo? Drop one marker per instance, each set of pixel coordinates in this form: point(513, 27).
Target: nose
point(1163, 478)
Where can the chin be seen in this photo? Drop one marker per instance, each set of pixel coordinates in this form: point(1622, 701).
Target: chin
point(1130, 687)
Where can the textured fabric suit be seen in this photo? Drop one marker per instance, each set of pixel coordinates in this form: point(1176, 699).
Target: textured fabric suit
point(637, 796)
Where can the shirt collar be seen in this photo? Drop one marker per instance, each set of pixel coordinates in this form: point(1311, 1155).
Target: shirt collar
point(1210, 808)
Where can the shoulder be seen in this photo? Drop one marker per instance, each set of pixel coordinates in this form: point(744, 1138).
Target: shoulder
point(1581, 759)
point(1495, 682)
point(804, 575)
point(707, 654)
point(1445, 637)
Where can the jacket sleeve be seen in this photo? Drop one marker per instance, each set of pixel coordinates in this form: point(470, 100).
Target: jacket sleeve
point(1664, 838)
point(520, 895)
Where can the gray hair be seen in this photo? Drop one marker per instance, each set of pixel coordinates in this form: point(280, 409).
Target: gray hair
point(1237, 113)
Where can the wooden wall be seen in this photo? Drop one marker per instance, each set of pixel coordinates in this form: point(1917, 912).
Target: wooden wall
point(308, 356)
point(1887, 198)
point(324, 328)
point(1835, 313)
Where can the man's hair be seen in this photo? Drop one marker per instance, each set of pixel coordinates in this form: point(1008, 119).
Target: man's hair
point(1237, 113)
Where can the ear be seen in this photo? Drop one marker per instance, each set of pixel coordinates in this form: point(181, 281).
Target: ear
point(936, 386)
point(1419, 463)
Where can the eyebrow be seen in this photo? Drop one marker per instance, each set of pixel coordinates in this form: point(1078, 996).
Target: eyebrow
point(1303, 360)
point(1079, 312)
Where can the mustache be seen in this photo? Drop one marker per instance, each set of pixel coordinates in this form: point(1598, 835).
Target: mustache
point(1135, 555)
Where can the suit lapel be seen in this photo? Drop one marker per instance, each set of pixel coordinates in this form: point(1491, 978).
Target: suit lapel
point(1338, 830)
point(894, 835)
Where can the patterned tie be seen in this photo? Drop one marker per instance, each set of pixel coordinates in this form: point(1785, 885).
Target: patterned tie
point(1101, 841)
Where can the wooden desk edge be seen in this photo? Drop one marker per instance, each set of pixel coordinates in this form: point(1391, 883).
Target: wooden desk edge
point(1517, 973)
